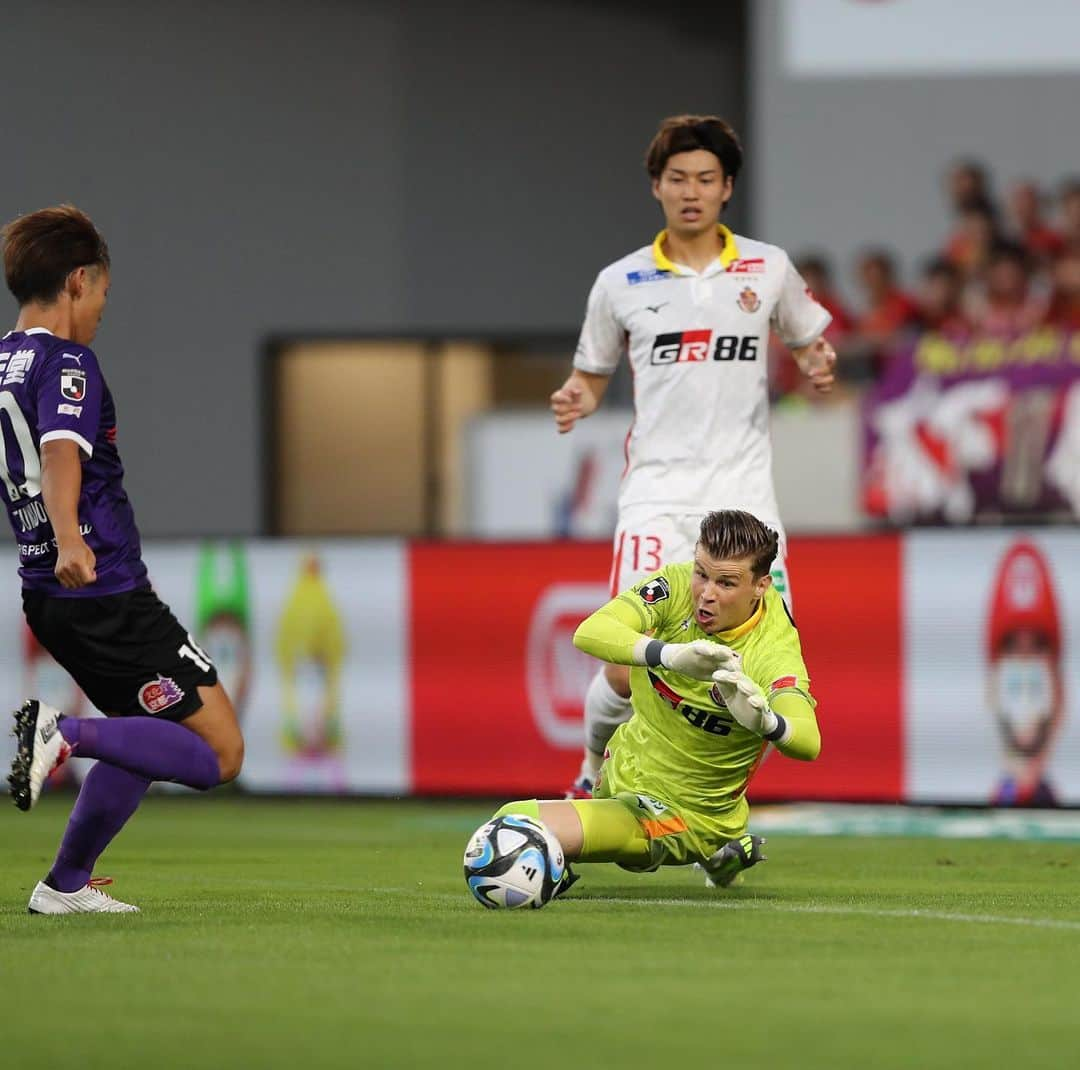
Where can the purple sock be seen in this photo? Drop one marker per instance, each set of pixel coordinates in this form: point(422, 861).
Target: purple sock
point(157, 750)
point(109, 796)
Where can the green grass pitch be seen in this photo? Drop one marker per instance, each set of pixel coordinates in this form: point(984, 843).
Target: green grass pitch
point(340, 934)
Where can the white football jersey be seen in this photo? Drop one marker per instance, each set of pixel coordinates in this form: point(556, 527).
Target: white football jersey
point(697, 344)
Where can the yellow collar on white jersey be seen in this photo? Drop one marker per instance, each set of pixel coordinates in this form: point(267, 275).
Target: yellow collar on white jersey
point(729, 253)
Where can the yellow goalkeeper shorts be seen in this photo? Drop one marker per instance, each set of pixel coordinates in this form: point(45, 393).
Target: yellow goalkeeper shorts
point(677, 835)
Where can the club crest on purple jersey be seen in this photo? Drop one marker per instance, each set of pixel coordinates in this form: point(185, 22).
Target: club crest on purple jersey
point(73, 384)
point(160, 694)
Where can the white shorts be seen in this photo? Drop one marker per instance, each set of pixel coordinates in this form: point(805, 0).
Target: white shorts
point(645, 542)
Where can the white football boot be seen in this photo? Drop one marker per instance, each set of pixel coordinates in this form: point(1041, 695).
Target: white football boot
point(89, 899)
point(41, 749)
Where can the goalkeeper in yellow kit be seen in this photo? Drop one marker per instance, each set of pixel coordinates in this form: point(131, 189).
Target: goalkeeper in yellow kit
point(717, 675)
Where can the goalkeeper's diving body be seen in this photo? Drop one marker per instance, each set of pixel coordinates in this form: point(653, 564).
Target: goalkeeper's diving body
point(717, 674)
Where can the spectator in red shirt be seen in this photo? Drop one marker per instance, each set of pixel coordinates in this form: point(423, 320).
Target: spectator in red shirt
point(941, 298)
point(1041, 241)
point(1064, 309)
point(969, 245)
point(1070, 213)
point(1006, 304)
point(817, 275)
point(888, 310)
point(785, 379)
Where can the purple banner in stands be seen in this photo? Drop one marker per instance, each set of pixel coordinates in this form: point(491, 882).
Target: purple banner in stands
point(970, 430)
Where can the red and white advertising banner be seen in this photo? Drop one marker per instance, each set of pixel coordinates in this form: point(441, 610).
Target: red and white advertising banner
point(846, 593)
point(497, 685)
point(992, 667)
point(946, 664)
point(497, 710)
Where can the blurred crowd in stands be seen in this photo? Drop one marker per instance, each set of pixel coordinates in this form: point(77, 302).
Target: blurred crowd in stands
point(1005, 268)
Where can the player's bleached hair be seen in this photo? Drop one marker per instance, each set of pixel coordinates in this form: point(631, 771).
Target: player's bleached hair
point(728, 534)
point(41, 249)
point(686, 133)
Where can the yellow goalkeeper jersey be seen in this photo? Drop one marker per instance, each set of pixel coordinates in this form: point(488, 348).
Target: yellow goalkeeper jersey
point(688, 750)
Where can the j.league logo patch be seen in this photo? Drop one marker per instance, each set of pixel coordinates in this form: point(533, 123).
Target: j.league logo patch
point(73, 384)
point(654, 591)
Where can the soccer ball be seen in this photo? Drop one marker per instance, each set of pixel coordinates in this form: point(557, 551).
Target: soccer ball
point(513, 861)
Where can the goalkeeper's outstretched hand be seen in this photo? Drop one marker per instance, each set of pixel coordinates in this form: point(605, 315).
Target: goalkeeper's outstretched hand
point(746, 701)
point(699, 659)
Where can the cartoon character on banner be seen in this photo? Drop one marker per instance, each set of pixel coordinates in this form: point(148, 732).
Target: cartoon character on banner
point(310, 649)
point(1025, 684)
point(223, 616)
point(43, 676)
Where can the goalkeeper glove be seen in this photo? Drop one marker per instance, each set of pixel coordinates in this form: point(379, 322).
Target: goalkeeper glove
point(699, 659)
point(749, 706)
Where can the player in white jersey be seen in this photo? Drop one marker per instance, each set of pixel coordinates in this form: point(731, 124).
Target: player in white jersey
point(693, 312)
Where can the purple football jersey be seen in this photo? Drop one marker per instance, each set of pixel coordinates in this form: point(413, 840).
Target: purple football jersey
point(51, 388)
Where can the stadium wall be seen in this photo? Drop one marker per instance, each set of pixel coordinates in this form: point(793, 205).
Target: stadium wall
point(858, 109)
point(946, 665)
point(342, 167)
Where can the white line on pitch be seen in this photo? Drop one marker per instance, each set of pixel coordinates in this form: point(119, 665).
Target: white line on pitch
point(873, 912)
point(794, 908)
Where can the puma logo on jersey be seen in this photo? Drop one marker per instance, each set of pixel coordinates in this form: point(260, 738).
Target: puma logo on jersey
point(656, 308)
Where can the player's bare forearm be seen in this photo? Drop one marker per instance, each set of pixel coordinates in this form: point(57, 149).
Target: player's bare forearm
point(61, 482)
point(817, 361)
point(577, 398)
point(803, 738)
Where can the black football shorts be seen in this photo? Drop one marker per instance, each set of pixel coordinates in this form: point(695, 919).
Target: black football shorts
point(127, 651)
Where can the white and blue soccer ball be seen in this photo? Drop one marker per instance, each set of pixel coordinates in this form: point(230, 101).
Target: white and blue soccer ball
point(513, 861)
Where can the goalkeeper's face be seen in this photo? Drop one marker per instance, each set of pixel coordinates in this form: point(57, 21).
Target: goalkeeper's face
point(725, 592)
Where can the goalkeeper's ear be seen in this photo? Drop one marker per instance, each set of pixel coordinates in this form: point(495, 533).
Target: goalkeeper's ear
point(762, 585)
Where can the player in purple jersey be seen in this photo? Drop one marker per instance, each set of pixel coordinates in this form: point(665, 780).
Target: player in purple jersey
point(85, 590)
